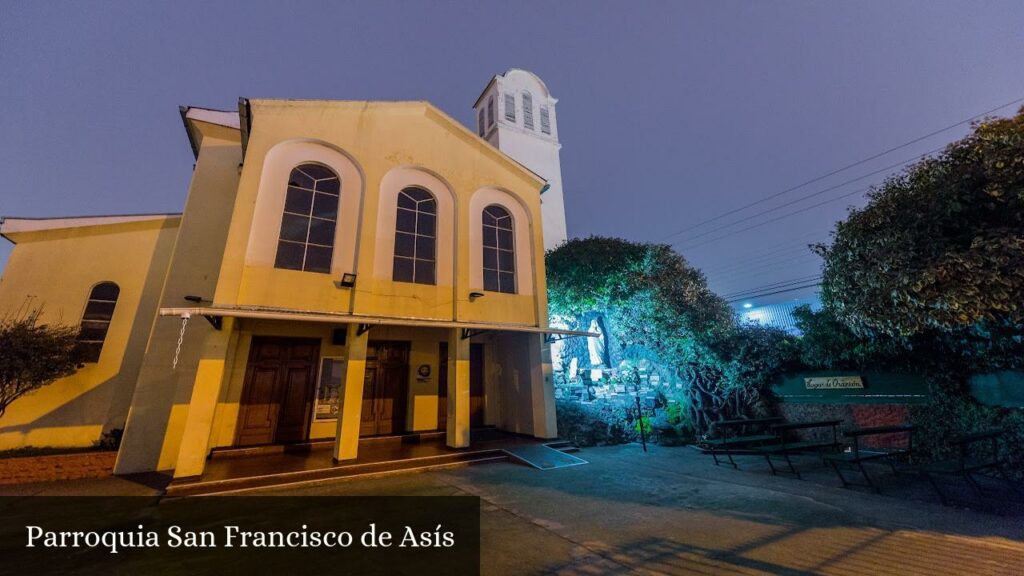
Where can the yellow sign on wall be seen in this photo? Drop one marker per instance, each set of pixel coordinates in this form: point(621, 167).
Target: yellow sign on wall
point(833, 382)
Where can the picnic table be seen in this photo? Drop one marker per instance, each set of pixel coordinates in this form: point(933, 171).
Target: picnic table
point(855, 456)
point(972, 457)
point(740, 436)
point(786, 445)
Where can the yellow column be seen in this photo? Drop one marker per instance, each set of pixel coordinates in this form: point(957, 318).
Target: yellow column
point(542, 388)
point(346, 440)
point(458, 389)
point(195, 440)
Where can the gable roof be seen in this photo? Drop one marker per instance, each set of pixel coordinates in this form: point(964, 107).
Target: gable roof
point(15, 224)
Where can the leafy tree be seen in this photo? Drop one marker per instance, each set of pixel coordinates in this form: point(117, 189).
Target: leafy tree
point(940, 247)
point(32, 355)
point(651, 298)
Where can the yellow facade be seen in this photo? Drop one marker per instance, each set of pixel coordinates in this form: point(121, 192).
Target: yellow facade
point(52, 269)
point(221, 251)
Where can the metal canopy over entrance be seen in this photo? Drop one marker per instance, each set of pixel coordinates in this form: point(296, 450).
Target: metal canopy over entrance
point(365, 322)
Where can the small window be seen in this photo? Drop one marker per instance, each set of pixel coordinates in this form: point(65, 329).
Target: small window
point(528, 110)
point(499, 251)
point(96, 320)
point(490, 111)
point(416, 237)
point(545, 120)
point(510, 107)
point(480, 121)
point(310, 217)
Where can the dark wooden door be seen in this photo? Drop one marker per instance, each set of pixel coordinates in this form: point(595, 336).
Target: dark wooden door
point(476, 386)
point(277, 395)
point(385, 388)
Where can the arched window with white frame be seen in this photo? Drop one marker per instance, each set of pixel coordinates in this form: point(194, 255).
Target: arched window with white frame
point(309, 219)
point(499, 262)
point(415, 237)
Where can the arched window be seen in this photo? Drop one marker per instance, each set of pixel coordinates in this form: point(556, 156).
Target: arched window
point(96, 320)
point(527, 110)
point(499, 250)
point(309, 219)
point(490, 111)
point(416, 237)
point(545, 120)
point(510, 107)
point(480, 121)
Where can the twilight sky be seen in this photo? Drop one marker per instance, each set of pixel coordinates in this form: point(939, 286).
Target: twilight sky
point(670, 113)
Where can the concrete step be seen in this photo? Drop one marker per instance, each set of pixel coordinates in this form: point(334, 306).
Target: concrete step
point(563, 446)
point(199, 487)
point(325, 444)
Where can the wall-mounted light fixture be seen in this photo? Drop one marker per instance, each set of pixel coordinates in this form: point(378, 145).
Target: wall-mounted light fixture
point(348, 280)
point(474, 295)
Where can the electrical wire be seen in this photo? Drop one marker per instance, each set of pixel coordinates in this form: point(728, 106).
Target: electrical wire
point(843, 169)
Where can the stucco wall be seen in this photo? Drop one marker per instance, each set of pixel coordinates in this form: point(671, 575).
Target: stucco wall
point(54, 271)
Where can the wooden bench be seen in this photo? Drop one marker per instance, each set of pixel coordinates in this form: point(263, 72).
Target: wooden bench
point(972, 457)
point(787, 446)
point(855, 456)
point(746, 434)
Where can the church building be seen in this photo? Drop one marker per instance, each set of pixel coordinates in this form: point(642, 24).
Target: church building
point(340, 270)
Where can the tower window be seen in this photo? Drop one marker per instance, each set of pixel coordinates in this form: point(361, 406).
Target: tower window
point(480, 121)
point(309, 220)
point(527, 110)
point(499, 251)
point(490, 111)
point(510, 107)
point(545, 120)
point(416, 237)
point(96, 320)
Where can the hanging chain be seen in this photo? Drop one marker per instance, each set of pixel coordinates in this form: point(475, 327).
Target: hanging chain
point(181, 336)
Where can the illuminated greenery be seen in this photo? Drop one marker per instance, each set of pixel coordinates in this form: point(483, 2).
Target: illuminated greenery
point(652, 300)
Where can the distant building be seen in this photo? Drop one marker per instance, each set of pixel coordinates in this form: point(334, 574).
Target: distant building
point(777, 315)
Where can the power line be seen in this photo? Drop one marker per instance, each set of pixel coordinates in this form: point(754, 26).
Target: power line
point(756, 258)
point(774, 285)
point(760, 269)
point(776, 219)
point(811, 195)
point(843, 169)
point(774, 293)
point(781, 258)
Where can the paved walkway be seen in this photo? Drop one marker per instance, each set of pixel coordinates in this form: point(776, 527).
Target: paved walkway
point(671, 511)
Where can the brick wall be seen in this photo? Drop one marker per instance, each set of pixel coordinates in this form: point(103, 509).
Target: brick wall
point(56, 467)
point(853, 416)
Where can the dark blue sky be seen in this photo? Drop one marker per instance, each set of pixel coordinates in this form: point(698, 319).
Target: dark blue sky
point(669, 112)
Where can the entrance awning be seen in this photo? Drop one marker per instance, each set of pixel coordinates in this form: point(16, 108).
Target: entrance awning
point(365, 322)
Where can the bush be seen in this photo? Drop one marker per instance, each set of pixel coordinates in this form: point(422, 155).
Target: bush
point(594, 424)
point(34, 354)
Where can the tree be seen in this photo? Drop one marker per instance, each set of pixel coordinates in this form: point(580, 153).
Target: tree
point(939, 247)
point(651, 298)
point(32, 355)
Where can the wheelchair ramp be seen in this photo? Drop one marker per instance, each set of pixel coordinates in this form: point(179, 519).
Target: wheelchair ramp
point(543, 457)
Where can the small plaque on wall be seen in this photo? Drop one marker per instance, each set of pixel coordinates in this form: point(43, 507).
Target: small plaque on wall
point(833, 382)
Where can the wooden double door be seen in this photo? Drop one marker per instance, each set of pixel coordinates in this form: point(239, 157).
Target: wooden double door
point(476, 386)
point(385, 388)
point(277, 396)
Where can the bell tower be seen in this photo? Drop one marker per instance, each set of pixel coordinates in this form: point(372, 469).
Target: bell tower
point(516, 114)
